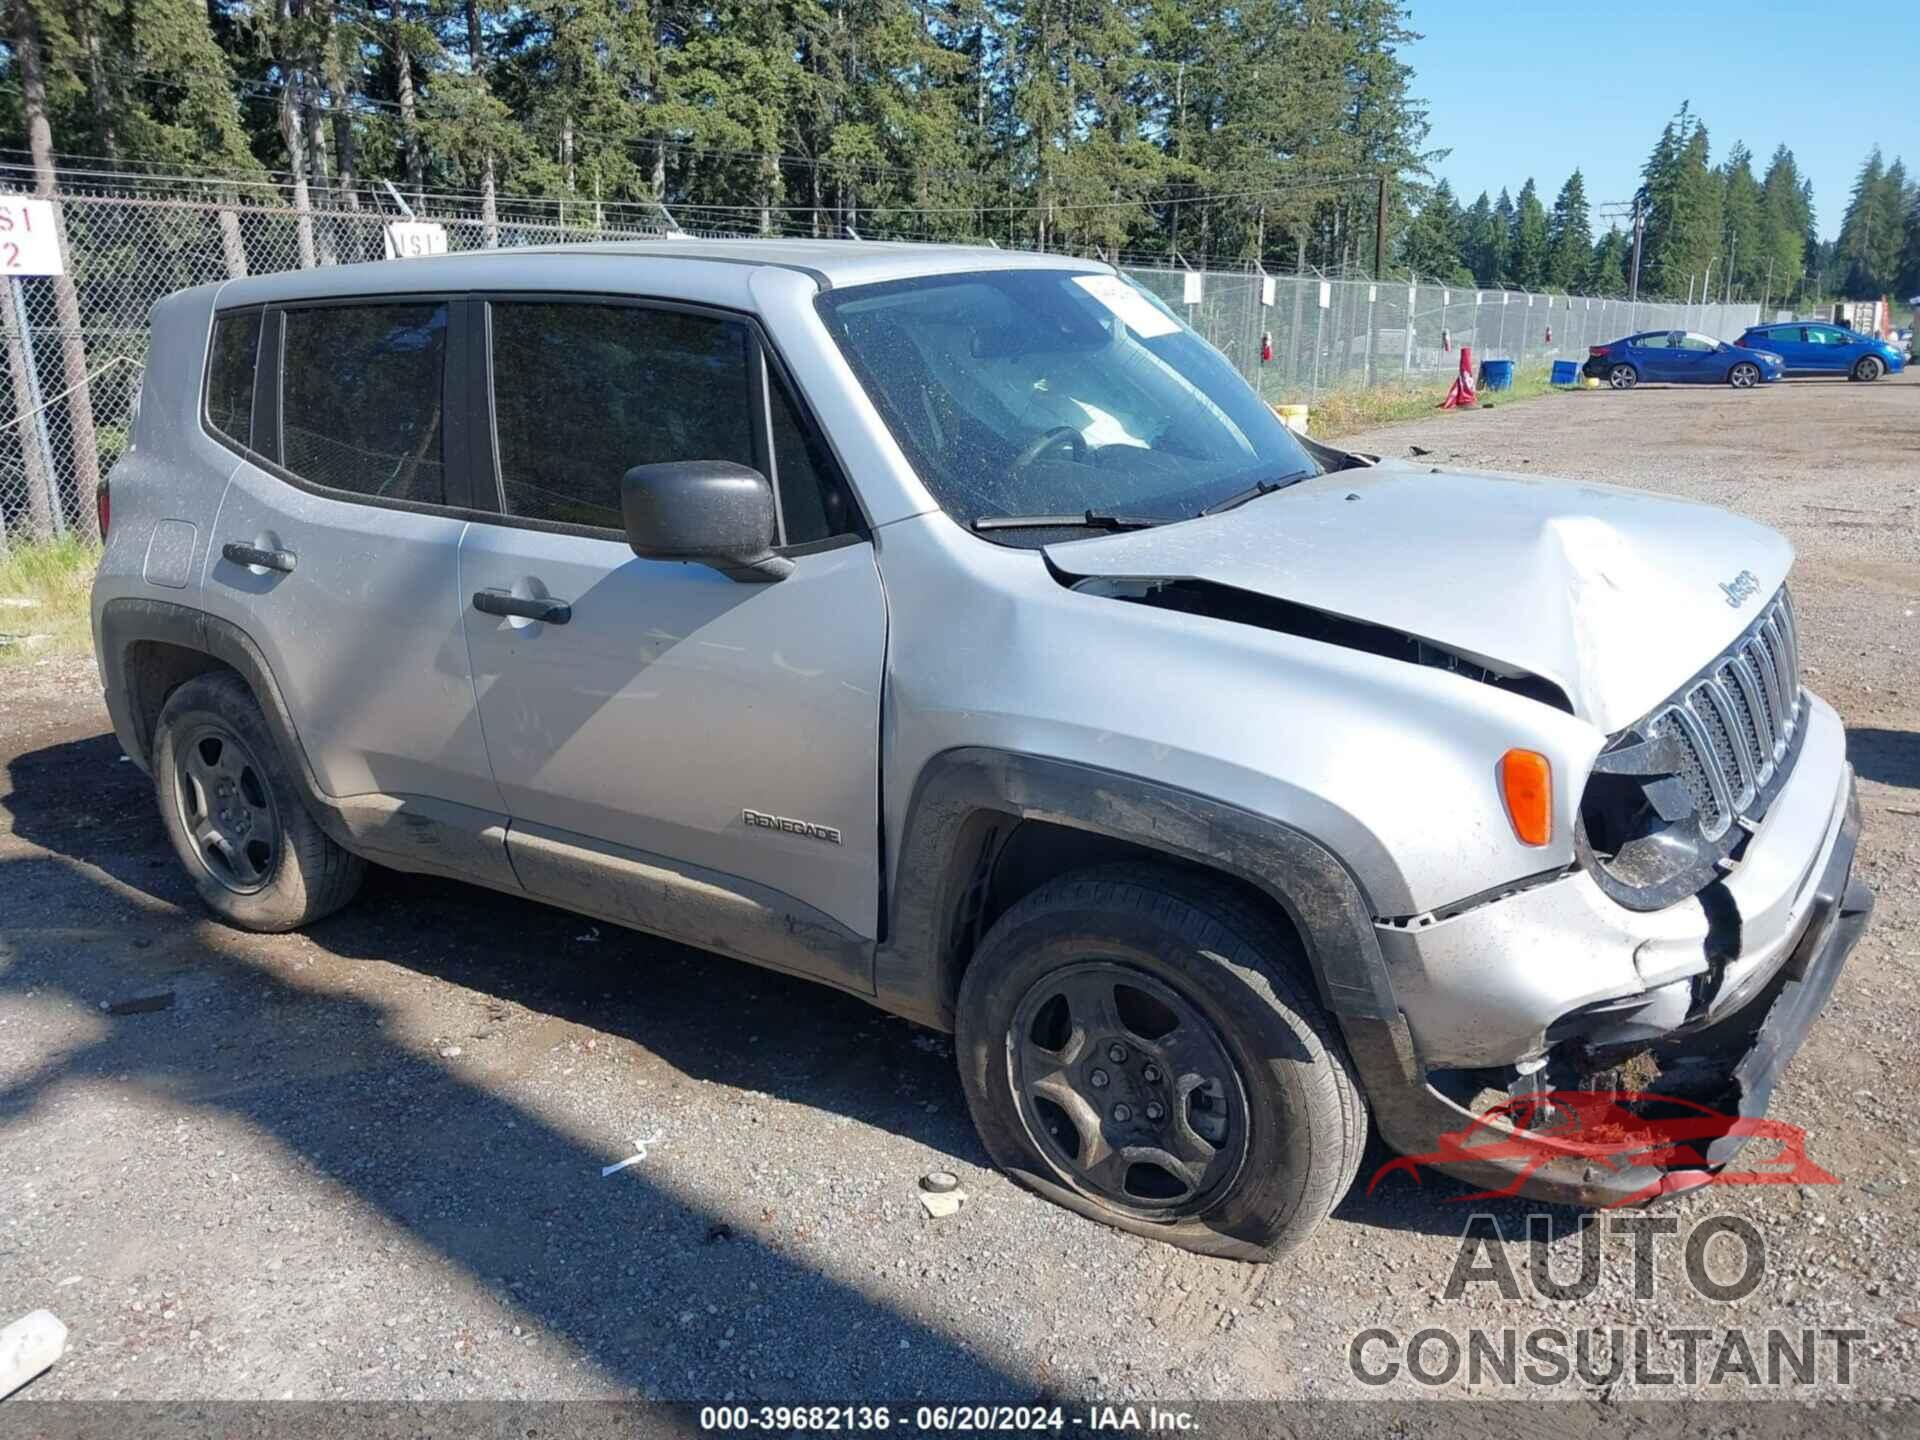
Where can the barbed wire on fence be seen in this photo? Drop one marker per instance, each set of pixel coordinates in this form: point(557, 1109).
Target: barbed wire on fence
point(132, 239)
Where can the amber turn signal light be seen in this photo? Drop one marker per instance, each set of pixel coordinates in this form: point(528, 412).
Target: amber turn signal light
point(1526, 783)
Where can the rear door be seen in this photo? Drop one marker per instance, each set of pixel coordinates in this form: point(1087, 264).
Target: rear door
point(339, 542)
point(674, 714)
point(1652, 356)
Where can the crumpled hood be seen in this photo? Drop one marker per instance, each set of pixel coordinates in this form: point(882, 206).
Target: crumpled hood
point(1616, 596)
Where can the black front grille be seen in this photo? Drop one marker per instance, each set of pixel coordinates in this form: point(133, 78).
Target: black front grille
point(1662, 809)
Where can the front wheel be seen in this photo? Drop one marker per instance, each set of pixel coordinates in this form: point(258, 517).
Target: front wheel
point(1623, 377)
point(1869, 369)
point(1744, 376)
point(1143, 1046)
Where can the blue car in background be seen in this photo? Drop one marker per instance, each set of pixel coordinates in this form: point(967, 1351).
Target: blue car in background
point(1681, 357)
point(1810, 348)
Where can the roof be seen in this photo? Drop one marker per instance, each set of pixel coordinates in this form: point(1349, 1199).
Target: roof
point(831, 264)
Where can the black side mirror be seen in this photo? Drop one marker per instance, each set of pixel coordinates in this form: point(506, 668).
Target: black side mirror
point(711, 511)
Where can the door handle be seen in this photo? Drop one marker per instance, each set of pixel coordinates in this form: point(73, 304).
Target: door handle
point(281, 560)
point(529, 607)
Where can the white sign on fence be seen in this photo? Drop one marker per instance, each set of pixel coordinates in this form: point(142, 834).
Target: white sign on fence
point(29, 245)
point(1326, 295)
point(1266, 290)
point(1190, 286)
point(411, 239)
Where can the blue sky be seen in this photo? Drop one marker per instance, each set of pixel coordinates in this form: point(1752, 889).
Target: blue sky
point(1541, 86)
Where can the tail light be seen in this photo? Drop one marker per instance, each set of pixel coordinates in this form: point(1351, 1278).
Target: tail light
point(103, 507)
point(1598, 350)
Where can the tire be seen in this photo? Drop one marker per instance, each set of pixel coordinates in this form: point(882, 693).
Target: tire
point(236, 819)
point(1623, 377)
point(1868, 369)
point(1252, 1067)
point(1744, 376)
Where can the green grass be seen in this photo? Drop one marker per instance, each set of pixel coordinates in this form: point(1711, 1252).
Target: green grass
point(56, 577)
point(1342, 412)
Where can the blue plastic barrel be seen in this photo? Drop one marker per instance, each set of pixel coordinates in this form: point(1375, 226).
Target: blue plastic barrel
point(1566, 372)
point(1497, 374)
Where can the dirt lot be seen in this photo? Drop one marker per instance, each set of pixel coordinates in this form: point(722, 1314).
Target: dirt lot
point(366, 1161)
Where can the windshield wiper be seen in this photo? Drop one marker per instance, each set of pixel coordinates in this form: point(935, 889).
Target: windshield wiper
point(1086, 520)
point(1255, 491)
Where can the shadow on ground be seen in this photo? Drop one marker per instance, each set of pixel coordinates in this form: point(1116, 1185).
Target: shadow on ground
point(482, 1180)
point(485, 1182)
point(1891, 757)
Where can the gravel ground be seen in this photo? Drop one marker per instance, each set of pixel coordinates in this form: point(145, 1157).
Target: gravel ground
point(365, 1161)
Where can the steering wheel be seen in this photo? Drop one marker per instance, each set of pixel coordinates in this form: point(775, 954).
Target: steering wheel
point(1042, 443)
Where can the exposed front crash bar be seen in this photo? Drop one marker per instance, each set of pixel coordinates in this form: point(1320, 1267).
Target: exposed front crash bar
point(1737, 1061)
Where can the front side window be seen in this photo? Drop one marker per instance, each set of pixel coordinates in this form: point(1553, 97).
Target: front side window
point(1044, 392)
point(582, 393)
point(230, 370)
point(361, 398)
point(1699, 344)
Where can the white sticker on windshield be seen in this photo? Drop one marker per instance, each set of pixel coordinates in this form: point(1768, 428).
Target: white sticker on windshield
point(1136, 312)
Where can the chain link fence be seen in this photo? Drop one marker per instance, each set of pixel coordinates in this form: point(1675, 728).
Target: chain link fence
point(75, 343)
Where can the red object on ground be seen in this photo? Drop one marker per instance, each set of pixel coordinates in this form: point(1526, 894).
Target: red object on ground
point(1266, 347)
point(1549, 334)
point(1461, 397)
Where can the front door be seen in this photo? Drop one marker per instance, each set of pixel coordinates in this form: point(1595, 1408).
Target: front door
point(674, 731)
point(1830, 350)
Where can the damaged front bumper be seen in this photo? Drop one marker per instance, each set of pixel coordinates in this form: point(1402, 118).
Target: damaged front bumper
point(1713, 999)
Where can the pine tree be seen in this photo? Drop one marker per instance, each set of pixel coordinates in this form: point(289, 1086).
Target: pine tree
point(1743, 241)
point(1606, 271)
point(1867, 253)
point(1682, 195)
point(1435, 239)
point(1784, 225)
point(1527, 248)
point(1499, 243)
point(1569, 236)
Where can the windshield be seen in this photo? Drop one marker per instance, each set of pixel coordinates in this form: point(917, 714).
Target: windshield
point(1049, 393)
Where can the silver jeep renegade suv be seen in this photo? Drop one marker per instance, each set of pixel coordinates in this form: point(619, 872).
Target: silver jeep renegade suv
point(958, 629)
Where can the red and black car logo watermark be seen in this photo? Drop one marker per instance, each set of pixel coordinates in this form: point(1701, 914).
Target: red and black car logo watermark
point(1621, 1130)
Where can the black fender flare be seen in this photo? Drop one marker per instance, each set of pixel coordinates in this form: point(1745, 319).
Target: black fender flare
point(128, 620)
point(962, 793)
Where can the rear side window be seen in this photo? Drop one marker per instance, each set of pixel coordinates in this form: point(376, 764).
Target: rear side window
point(230, 370)
point(1654, 342)
point(361, 399)
point(582, 393)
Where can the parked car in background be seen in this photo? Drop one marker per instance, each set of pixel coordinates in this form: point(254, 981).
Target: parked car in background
point(1827, 350)
point(1680, 357)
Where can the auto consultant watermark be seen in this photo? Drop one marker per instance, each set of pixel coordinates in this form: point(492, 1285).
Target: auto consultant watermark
point(1614, 1148)
point(1724, 1260)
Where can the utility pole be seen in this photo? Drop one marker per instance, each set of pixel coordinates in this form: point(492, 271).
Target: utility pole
point(1733, 253)
point(1706, 284)
point(1768, 293)
point(1380, 233)
point(1639, 234)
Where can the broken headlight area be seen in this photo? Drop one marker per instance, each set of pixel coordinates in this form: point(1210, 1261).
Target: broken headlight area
point(1671, 800)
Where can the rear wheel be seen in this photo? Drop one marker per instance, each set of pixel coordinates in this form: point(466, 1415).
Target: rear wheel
point(1869, 368)
point(1744, 376)
point(1142, 1046)
point(1623, 377)
point(256, 854)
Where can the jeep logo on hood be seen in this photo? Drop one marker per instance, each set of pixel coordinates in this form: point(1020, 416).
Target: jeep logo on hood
point(1742, 588)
